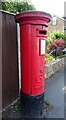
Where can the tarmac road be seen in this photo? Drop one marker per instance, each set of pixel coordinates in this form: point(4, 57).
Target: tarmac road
point(55, 92)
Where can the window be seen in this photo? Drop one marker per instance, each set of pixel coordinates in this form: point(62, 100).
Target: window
point(64, 28)
point(54, 20)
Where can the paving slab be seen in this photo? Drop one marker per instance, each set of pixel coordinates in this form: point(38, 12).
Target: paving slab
point(54, 92)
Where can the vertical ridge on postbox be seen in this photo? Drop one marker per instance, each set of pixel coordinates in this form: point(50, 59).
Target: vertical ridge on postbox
point(25, 41)
point(37, 61)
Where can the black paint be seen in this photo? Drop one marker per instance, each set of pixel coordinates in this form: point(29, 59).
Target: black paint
point(32, 106)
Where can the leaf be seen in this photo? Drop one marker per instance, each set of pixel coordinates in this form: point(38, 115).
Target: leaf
point(15, 7)
point(16, 107)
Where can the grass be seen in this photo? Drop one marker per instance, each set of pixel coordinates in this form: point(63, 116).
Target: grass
point(48, 57)
point(16, 107)
point(47, 102)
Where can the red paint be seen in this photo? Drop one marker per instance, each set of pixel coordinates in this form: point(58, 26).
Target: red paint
point(32, 30)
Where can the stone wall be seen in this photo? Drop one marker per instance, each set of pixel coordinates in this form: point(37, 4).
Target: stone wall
point(53, 67)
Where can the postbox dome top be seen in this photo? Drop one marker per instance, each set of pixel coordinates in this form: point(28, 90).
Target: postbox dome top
point(33, 15)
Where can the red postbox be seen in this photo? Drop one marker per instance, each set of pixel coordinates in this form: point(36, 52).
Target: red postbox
point(32, 42)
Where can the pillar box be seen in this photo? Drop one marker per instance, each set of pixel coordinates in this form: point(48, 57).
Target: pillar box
point(32, 45)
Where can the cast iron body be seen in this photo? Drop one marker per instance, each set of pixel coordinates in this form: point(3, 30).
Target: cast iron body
point(32, 42)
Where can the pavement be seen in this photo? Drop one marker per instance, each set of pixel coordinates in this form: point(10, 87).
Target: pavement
point(65, 92)
point(54, 92)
